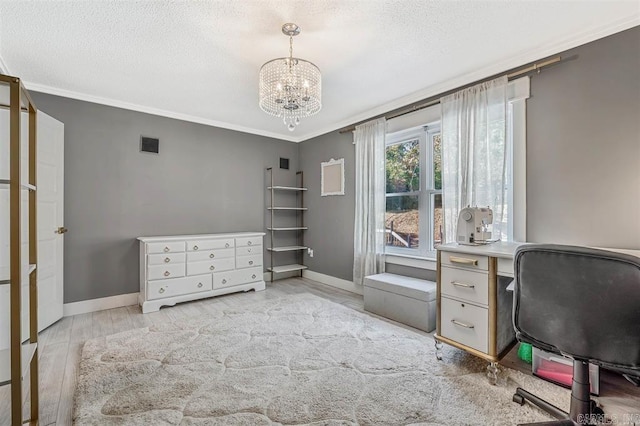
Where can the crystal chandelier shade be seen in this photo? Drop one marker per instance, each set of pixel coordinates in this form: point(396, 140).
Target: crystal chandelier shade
point(290, 88)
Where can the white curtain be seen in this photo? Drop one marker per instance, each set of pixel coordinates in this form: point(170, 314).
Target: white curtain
point(368, 241)
point(474, 154)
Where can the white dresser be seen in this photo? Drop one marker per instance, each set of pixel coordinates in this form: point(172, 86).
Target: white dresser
point(179, 268)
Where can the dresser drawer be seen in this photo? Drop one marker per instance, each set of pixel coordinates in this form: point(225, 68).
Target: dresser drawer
point(161, 259)
point(207, 267)
point(469, 261)
point(465, 284)
point(161, 272)
point(199, 256)
point(465, 323)
point(249, 261)
point(505, 267)
point(178, 286)
point(246, 250)
point(231, 278)
point(199, 245)
point(168, 247)
point(249, 241)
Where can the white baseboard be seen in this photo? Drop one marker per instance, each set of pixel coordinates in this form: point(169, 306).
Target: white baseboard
point(101, 304)
point(332, 281)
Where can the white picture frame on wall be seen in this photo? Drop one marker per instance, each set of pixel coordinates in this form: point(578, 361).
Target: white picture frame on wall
point(332, 177)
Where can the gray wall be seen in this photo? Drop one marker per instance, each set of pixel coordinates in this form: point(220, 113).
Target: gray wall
point(583, 159)
point(204, 180)
point(583, 147)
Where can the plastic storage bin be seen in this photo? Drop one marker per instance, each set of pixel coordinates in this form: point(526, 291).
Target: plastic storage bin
point(559, 370)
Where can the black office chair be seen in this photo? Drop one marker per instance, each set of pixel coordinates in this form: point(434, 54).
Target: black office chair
point(582, 303)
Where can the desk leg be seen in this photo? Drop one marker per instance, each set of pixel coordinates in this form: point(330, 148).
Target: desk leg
point(438, 350)
point(492, 372)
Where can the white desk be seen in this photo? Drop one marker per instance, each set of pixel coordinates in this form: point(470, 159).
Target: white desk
point(473, 304)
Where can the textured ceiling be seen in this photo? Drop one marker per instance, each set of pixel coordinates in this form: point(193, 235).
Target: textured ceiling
point(199, 60)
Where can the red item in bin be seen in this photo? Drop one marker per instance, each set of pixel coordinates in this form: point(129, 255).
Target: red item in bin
point(555, 371)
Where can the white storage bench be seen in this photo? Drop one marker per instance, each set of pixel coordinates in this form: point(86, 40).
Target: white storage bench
point(410, 301)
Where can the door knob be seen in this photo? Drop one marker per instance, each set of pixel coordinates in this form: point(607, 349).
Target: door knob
point(61, 230)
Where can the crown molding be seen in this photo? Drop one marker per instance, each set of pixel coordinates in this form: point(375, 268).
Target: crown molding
point(497, 68)
point(153, 111)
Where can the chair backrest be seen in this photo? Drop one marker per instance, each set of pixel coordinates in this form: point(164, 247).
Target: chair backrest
point(581, 302)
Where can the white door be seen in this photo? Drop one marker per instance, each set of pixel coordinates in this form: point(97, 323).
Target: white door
point(50, 210)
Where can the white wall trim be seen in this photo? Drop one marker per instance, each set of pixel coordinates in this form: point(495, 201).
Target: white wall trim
point(411, 261)
point(332, 281)
point(154, 111)
point(101, 304)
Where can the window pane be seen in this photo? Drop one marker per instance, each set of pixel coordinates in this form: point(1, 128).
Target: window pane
point(437, 218)
point(437, 161)
point(402, 221)
point(403, 167)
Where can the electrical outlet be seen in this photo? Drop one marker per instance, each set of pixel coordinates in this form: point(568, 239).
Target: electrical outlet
point(310, 252)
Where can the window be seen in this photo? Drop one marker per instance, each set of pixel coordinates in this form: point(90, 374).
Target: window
point(413, 219)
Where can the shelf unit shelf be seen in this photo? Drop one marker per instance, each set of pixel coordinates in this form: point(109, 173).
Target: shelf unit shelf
point(21, 359)
point(286, 268)
point(299, 209)
point(28, 350)
point(286, 248)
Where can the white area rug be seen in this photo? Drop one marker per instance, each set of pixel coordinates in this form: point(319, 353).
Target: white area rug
point(295, 360)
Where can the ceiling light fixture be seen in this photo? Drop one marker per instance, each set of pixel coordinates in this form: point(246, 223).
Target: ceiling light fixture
point(290, 88)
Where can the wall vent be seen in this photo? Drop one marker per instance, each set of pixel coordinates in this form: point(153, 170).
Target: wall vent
point(148, 144)
point(284, 163)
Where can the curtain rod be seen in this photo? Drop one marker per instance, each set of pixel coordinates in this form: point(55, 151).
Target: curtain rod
point(426, 103)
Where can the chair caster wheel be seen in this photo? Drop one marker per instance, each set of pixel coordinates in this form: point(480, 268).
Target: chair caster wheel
point(518, 399)
point(593, 406)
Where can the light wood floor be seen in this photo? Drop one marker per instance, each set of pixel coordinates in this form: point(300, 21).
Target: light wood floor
point(60, 346)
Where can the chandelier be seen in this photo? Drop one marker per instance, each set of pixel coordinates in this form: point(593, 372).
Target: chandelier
point(290, 88)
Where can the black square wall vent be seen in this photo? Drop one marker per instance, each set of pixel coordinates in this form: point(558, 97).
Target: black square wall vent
point(149, 144)
point(284, 163)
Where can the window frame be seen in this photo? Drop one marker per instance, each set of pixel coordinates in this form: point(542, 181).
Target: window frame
point(426, 191)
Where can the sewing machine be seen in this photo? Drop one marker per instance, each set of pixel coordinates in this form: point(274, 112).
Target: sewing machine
point(473, 226)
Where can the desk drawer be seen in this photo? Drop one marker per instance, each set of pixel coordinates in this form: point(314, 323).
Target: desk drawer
point(178, 286)
point(465, 260)
point(465, 323)
point(197, 268)
point(505, 267)
point(161, 272)
point(167, 247)
point(161, 259)
point(201, 256)
point(242, 251)
point(249, 261)
point(464, 284)
point(199, 245)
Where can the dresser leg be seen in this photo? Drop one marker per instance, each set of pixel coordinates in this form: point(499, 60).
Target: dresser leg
point(492, 372)
point(438, 350)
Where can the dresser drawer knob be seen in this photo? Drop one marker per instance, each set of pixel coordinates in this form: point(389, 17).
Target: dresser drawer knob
point(459, 284)
point(166, 249)
point(253, 276)
point(195, 247)
point(226, 245)
point(199, 285)
point(224, 281)
point(167, 260)
point(167, 273)
point(463, 260)
point(211, 256)
point(462, 324)
point(249, 243)
point(212, 267)
point(251, 262)
point(248, 250)
point(161, 290)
